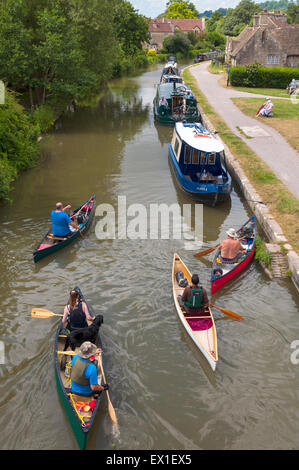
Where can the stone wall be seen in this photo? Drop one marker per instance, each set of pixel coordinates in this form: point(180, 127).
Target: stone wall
point(264, 48)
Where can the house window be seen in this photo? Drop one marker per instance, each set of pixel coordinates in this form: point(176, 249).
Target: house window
point(263, 38)
point(272, 60)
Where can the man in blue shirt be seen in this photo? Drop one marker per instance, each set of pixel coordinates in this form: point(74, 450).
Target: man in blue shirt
point(61, 221)
point(84, 373)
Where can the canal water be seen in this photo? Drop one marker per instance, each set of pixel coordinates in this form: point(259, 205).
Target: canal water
point(164, 394)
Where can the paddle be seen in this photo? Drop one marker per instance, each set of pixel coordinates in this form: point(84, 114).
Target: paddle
point(75, 214)
point(228, 312)
point(111, 410)
point(43, 313)
point(209, 250)
point(205, 252)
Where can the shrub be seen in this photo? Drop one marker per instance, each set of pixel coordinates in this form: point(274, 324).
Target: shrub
point(152, 52)
point(256, 76)
point(18, 142)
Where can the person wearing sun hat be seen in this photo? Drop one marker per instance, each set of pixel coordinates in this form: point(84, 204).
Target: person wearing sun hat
point(84, 373)
point(231, 248)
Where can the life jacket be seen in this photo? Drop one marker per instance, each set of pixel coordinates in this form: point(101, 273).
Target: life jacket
point(196, 298)
point(77, 317)
point(77, 371)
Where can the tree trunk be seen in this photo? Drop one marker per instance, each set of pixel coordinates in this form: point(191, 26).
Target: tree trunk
point(31, 98)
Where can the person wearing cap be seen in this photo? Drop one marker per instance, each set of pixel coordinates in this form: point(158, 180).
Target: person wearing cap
point(267, 108)
point(231, 248)
point(84, 373)
point(61, 221)
point(194, 298)
point(292, 86)
point(75, 313)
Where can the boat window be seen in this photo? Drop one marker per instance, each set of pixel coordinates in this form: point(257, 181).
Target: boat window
point(187, 154)
point(212, 158)
point(195, 158)
point(202, 158)
point(176, 146)
point(173, 139)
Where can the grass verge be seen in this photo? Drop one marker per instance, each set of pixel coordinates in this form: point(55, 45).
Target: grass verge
point(285, 119)
point(282, 204)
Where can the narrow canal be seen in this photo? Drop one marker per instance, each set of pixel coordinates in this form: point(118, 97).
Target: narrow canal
point(164, 395)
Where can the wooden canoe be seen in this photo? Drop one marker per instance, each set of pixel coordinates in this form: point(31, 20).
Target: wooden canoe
point(201, 328)
point(50, 244)
point(224, 272)
point(81, 421)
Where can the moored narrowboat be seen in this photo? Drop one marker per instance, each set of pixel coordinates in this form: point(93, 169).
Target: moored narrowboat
point(197, 158)
point(175, 102)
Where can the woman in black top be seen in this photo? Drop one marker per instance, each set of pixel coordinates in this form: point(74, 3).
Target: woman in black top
point(75, 313)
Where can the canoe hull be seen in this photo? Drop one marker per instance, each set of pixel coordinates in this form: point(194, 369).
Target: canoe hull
point(218, 282)
point(205, 339)
point(39, 254)
point(81, 432)
point(80, 435)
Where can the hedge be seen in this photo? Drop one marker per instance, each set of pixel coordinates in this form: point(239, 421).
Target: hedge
point(254, 75)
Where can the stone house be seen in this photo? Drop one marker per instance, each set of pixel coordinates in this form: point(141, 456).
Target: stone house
point(270, 41)
point(159, 28)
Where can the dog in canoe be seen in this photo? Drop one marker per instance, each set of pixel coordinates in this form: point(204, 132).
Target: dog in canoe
point(79, 336)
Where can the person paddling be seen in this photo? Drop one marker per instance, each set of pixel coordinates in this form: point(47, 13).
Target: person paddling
point(75, 313)
point(84, 373)
point(194, 298)
point(61, 221)
point(231, 248)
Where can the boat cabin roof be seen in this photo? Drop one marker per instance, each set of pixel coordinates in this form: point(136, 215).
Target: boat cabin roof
point(167, 90)
point(198, 137)
point(169, 77)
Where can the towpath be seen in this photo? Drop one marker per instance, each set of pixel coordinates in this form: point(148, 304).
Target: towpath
point(265, 142)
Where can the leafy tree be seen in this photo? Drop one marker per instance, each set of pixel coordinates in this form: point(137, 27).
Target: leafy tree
point(18, 142)
point(293, 14)
point(211, 24)
point(191, 5)
point(131, 28)
point(239, 16)
point(178, 42)
point(181, 9)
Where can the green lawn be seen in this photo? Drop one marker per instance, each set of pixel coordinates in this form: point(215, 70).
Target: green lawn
point(285, 120)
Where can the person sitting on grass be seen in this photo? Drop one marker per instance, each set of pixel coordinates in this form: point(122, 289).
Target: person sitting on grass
point(266, 109)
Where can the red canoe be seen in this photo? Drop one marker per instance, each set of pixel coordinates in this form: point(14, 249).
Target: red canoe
point(224, 272)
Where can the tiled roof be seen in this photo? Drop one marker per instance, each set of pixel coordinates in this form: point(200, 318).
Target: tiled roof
point(242, 39)
point(157, 26)
point(164, 25)
point(188, 25)
point(288, 38)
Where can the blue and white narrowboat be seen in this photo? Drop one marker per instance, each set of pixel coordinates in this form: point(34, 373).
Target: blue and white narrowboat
point(197, 158)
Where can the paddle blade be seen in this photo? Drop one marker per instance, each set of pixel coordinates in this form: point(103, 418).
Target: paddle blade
point(228, 312)
point(43, 313)
point(205, 252)
point(111, 410)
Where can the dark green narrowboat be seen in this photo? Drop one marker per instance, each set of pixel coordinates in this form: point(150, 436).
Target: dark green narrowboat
point(181, 104)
